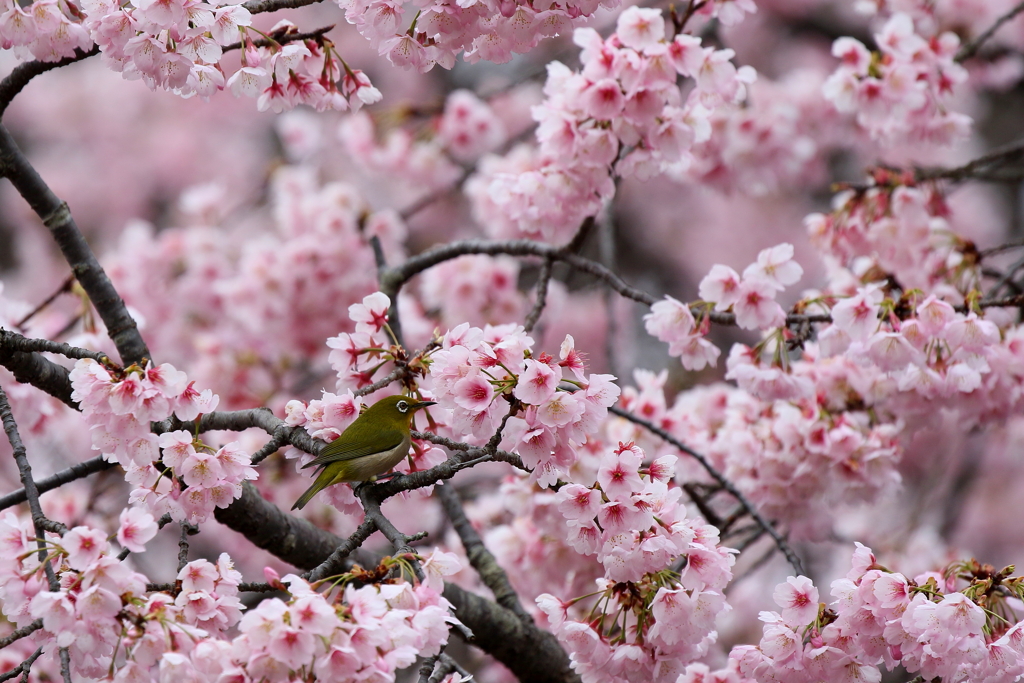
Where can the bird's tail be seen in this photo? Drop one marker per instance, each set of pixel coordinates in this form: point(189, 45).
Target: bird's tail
point(319, 485)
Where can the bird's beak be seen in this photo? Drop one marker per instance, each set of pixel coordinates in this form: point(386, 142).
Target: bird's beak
point(425, 404)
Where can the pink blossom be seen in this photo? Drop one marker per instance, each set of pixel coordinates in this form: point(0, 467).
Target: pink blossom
point(84, 546)
point(798, 599)
point(640, 28)
point(776, 265)
point(537, 384)
point(858, 315)
point(137, 528)
point(755, 306)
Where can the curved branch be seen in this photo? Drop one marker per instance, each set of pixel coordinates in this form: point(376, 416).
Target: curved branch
point(22, 74)
point(485, 564)
point(36, 370)
point(86, 268)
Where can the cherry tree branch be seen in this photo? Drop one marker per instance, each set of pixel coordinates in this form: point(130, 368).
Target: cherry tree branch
point(39, 520)
point(723, 481)
point(543, 279)
point(38, 371)
point(86, 268)
point(16, 342)
point(485, 564)
point(260, 6)
point(983, 167)
point(529, 652)
point(22, 632)
point(65, 476)
point(970, 49)
point(22, 668)
point(22, 74)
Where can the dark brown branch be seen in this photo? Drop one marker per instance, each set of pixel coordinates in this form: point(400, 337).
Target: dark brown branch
point(87, 270)
point(531, 654)
point(976, 168)
point(970, 49)
point(22, 74)
point(22, 668)
point(283, 38)
point(337, 561)
point(794, 559)
point(289, 538)
point(38, 371)
point(39, 520)
point(485, 564)
point(65, 476)
point(260, 6)
point(393, 278)
point(16, 342)
point(21, 633)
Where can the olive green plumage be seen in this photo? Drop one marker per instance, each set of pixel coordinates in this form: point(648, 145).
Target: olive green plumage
point(372, 445)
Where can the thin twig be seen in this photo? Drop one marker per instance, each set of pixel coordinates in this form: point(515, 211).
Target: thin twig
point(335, 562)
point(65, 286)
point(65, 476)
point(794, 559)
point(542, 295)
point(970, 49)
point(22, 668)
point(997, 157)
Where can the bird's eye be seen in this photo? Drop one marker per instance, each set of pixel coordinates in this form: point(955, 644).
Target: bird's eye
point(402, 406)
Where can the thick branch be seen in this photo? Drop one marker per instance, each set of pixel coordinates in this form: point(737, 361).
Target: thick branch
point(491, 573)
point(289, 538)
point(531, 654)
point(40, 372)
point(794, 559)
point(87, 270)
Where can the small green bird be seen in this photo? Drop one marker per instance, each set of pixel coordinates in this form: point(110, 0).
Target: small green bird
point(372, 445)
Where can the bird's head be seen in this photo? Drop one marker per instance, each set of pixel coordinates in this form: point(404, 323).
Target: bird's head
point(398, 408)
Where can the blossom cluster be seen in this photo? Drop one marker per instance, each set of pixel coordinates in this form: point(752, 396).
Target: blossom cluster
point(485, 376)
point(479, 29)
point(622, 113)
point(663, 574)
point(179, 46)
point(427, 155)
point(110, 623)
point(119, 407)
point(904, 89)
point(922, 624)
point(377, 630)
point(796, 458)
point(893, 229)
point(244, 312)
point(102, 612)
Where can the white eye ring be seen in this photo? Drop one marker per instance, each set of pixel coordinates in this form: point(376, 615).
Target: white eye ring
point(402, 406)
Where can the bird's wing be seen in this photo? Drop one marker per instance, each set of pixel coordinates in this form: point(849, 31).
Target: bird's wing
point(351, 448)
